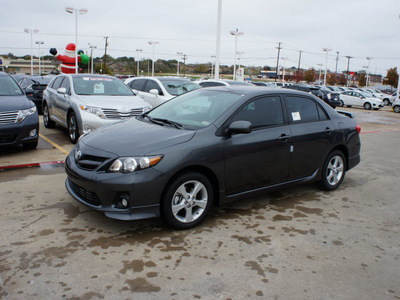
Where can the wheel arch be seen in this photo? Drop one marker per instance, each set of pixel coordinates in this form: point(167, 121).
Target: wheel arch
point(345, 152)
point(198, 169)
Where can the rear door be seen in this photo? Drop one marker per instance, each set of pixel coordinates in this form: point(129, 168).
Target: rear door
point(260, 158)
point(313, 134)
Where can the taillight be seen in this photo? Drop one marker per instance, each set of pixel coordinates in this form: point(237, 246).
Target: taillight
point(358, 127)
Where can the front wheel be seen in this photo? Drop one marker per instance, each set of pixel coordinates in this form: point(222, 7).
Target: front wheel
point(187, 201)
point(386, 102)
point(73, 129)
point(367, 105)
point(333, 171)
point(48, 123)
point(396, 109)
point(341, 103)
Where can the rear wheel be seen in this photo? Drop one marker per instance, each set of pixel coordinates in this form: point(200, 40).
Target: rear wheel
point(386, 102)
point(333, 171)
point(48, 123)
point(396, 109)
point(341, 103)
point(187, 201)
point(367, 105)
point(73, 129)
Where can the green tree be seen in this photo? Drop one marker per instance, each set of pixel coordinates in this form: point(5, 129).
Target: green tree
point(341, 80)
point(201, 69)
point(392, 77)
point(362, 80)
point(310, 75)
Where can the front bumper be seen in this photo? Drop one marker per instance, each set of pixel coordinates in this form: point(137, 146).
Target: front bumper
point(101, 190)
point(19, 133)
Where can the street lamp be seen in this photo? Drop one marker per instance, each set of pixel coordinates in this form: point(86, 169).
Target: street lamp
point(179, 55)
point(39, 43)
point(91, 55)
point(326, 62)
point(153, 43)
point(369, 60)
point(81, 11)
point(138, 51)
point(319, 77)
point(283, 69)
point(212, 58)
point(236, 33)
point(31, 32)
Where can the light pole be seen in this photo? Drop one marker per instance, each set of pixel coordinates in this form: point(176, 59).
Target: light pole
point(138, 51)
point(217, 51)
point(81, 11)
point(91, 55)
point(319, 77)
point(369, 61)
point(348, 64)
point(326, 62)
point(212, 58)
point(31, 32)
point(39, 43)
point(235, 33)
point(153, 43)
point(283, 69)
point(179, 56)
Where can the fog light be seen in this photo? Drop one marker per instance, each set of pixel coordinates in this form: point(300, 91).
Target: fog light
point(122, 201)
point(32, 133)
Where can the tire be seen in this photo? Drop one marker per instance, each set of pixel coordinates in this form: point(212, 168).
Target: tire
point(30, 146)
point(341, 103)
point(396, 109)
point(187, 201)
point(348, 105)
point(73, 129)
point(48, 123)
point(333, 171)
point(367, 105)
point(386, 102)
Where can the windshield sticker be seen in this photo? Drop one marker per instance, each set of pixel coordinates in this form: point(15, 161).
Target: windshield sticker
point(296, 116)
point(96, 78)
point(98, 88)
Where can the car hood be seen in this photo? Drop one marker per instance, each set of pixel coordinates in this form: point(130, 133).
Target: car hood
point(114, 102)
point(135, 138)
point(10, 103)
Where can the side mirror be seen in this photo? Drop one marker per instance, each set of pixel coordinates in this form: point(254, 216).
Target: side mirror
point(154, 92)
point(239, 127)
point(62, 91)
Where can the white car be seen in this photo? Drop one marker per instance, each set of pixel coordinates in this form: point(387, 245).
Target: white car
point(221, 82)
point(156, 90)
point(355, 98)
point(396, 106)
point(84, 102)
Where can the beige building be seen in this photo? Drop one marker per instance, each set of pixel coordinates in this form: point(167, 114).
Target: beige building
point(24, 66)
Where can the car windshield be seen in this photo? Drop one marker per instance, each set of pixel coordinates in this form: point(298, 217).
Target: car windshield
point(95, 85)
point(179, 87)
point(196, 109)
point(8, 87)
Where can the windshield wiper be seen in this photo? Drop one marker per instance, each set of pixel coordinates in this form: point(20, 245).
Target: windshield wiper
point(152, 120)
point(169, 122)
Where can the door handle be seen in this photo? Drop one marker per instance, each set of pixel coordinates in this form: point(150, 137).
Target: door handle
point(328, 130)
point(284, 137)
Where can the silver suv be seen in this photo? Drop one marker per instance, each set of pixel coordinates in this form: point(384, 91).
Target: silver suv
point(84, 102)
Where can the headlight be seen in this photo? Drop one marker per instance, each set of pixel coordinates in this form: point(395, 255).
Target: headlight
point(132, 164)
point(25, 113)
point(93, 110)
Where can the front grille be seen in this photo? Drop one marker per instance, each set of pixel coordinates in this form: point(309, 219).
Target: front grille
point(8, 138)
point(116, 114)
point(87, 196)
point(8, 117)
point(90, 162)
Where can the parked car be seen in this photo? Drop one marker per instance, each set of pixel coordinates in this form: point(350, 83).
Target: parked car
point(264, 84)
point(327, 95)
point(354, 98)
point(330, 97)
point(396, 106)
point(211, 146)
point(19, 119)
point(84, 102)
point(33, 87)
point(222, 82)
point(156, 90)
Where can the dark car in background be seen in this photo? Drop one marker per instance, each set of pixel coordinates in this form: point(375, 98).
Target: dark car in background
point(320, 92)
point(211, 146)
point(19, 120)
point(33, 87)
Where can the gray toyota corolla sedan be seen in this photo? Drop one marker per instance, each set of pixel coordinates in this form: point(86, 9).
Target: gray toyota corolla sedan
point(211, 146)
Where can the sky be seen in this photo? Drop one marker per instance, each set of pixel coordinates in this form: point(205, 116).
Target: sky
point(357, 28)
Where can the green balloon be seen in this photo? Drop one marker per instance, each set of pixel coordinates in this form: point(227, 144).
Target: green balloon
point(84, 58)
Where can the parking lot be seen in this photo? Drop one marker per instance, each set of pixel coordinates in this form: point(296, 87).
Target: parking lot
point(295, 243)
